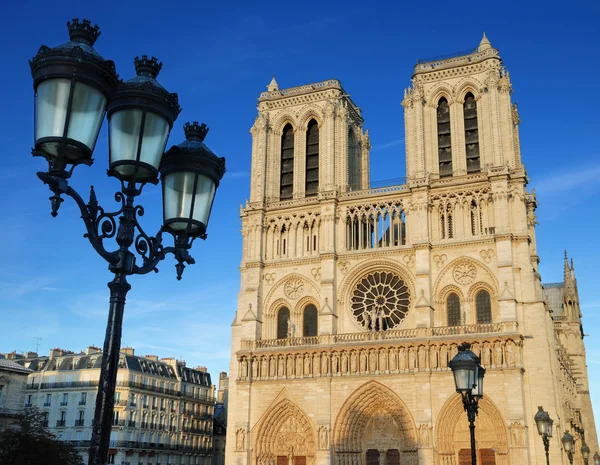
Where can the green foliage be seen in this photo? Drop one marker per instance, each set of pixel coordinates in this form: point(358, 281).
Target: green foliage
point(28, 442)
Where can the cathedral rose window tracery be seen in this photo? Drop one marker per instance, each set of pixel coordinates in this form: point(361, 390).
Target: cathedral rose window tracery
point(380, 301)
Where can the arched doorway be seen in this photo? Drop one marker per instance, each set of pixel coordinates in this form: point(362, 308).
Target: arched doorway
point(452, 438)
point(373, 427)
point(285, 436)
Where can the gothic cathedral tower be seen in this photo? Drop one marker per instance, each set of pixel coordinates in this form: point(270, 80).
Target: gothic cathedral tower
point(354, 299)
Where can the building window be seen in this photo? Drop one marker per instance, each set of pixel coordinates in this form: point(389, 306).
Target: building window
point(286, 187)
point(471, 134)
point(483, 304)
point(48, 400)
point(65, 399)
point(453, 309)
point(444, 138)
point(283, 316)
point(310, 321)
point(312, 159)
point(354, 162)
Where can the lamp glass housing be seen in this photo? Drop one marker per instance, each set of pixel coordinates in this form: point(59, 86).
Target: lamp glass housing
point(188, 197)
point(585, 451)
point(543, 422)
point(68, 117)
point(567, 441)
point(596, 459)
point(137, 142)
point(477, 391)
point(464, 377)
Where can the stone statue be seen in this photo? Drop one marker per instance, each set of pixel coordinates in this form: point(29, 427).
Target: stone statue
point(353, 362)
point(307, 360)
point(290, 366)
point(372, 361)
point(316, 365)
point(444, 356)
point(334, 363)
point(244, 367)
point(363, 361)
point(254, 368)
point(344, 363)
point(393, 360)
point(325, 365)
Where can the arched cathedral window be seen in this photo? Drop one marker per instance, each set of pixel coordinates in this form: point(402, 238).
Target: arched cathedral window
point(309, 325)
point(444, 138)
point(283, 318)
point(354, 162)
point(471, 134)
point(286, 186)
point(312, 159)
point(483, 305)
point(453, 310)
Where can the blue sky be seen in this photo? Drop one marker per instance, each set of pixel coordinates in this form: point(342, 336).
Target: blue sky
point(219, 56)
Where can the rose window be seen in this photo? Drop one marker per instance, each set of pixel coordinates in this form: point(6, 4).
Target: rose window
point(380, 301)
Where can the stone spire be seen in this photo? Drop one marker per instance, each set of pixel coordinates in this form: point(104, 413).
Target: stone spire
point(484, 44)
point(273, 86)
point(570, 285)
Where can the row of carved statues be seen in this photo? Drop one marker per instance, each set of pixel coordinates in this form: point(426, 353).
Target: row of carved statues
point(495, 354)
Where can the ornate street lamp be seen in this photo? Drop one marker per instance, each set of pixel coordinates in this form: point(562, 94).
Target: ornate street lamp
point(585, 453)
point(468, 378)
point(74, 88)
point(567, 441)
point(596, 458)
point(544, 425)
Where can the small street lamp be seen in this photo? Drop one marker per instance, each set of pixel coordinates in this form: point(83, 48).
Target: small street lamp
point(544, 426)
point(596, 458)
point(567, 441)
point(468, 378)
point(585, 453)
point(74, 88)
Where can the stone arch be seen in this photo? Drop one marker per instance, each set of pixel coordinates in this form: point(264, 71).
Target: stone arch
point(374, 417)
point(281, 120)
point(277, 298)
point(439, 91)
point(441, 299)
point(483, 286)
point(358, 271)
point(284, 430)
point(466, 85)
point(308, 113)
point(452, 429)
point(446, 275)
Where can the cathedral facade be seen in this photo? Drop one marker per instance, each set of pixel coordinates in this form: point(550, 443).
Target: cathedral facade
point(354, 299)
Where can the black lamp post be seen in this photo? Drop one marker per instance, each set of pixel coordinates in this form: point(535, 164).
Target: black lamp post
point(567, 441)
point(468, 378)
point(585, 453)
point(74, 87)
point(544, 425)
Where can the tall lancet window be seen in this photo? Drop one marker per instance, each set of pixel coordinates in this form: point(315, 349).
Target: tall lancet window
point(453, 310)
point(286, 186)
point(444, 138)
point(283, 323)
point(354, 162)
point(312, 159)
point(471, 134)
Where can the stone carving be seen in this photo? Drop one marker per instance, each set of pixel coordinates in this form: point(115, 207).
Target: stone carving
point(487, 255)
point(240, 439)
point(440, 260)
point(293, 288)
point(409, 260)
point(323, 437)
point(425, 435)
point(270, 278)
point(316, 273)
point(464, 273)
point(376, 360)
point(517, 431)
point(344, 266)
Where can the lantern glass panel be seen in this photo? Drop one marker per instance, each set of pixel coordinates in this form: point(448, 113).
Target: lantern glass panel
point(51, 108)
point(125, 130)
point(464, 378)
point(87, 113)
point(478, 389)
point(178, 195)
point(51, 102)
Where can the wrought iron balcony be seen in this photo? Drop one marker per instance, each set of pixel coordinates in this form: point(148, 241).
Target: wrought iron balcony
point(61, 423)
point(79, 422)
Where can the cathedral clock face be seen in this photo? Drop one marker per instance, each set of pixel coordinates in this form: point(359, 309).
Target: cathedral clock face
point(380, 301)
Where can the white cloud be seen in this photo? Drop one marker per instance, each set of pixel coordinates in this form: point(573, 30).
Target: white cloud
point(387, 145)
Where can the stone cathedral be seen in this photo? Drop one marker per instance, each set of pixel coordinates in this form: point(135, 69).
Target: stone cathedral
point(354, 299)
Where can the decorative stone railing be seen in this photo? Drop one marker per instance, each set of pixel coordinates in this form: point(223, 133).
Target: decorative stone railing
point(376, 356)
point(390, 335)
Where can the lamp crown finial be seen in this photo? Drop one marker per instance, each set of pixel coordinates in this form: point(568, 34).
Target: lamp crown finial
point(149, 67)
point(195, 131)
point(83, 31)
point(464, 346)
